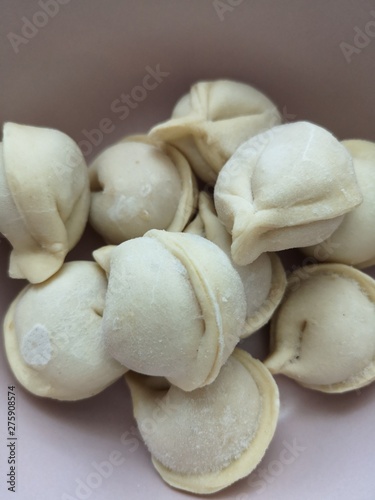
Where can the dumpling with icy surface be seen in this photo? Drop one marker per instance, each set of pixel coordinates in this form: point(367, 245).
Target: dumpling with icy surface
point(137, 185)
point(175, 307)
point(53, 335)
point(203, 441)
point(286, 188)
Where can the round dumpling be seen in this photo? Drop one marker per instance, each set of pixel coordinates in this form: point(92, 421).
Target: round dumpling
point(53, 335)
point(203, 441)
point(323, 334)
point(286, 188)
point(138, 185)
point(175, 307)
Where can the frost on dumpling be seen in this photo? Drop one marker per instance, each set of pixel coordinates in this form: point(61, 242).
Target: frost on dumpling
point(209, 438)
point(286, 188)
point(212, 120)
point(44, 198)
point(137, 185)
point(175, 307)
point(53, 335)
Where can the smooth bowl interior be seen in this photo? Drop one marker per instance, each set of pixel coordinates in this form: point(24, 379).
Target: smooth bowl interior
point(71, 66)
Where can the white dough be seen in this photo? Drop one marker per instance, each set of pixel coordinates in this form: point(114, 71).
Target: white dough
point(288, 187)
point(353, 242)
point(264, 279)
point(53, 335)
point(323, 334)
point(44, 198)
point(175, 307)
point(203, 441)
point(138, 185)
point(210, 122)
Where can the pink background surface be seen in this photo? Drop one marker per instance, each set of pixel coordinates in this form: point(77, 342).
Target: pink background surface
point(66, 77)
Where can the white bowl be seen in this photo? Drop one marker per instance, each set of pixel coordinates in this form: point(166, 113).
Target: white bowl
point(67, 65)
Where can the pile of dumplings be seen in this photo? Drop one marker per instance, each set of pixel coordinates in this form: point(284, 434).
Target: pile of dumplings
point(193, 213)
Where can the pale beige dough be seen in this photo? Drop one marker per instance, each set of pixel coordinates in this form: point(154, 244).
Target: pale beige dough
point(323, 334)
point(175, 307)
point(53, 335)
point(353, 242)
point(44, 198)
point(288, 187)
point(137, 185)
point(264, 279)
point(205, 440)
point(212, 120)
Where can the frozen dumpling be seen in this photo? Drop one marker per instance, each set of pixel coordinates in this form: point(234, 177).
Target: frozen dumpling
point(353, 242)
point(137, 185)
point(323, 334)
point(203, 441)
point(175, 307)
point(288, 187)
point(212, 120)
point(264, 279)
point(53, 335)
point(44, 198)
